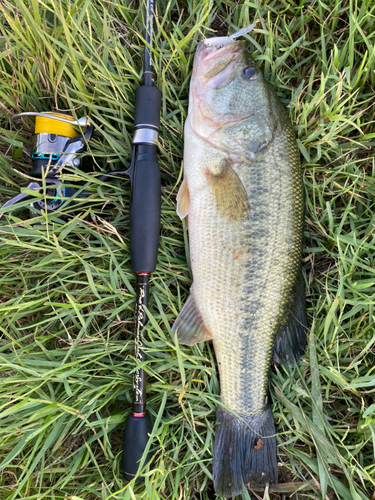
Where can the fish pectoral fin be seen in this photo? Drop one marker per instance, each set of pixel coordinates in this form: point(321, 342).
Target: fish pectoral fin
point(183, 200)
point(230, 196)
point(291, 341)
point(189, 324)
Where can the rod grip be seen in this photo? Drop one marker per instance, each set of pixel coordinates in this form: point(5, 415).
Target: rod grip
point(145, 207)
point(136, 436)
point(147, 106)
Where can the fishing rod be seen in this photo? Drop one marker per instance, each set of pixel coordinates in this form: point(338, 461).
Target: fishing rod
point(144, 218)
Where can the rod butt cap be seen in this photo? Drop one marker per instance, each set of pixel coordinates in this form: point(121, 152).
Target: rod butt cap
point(136, 436)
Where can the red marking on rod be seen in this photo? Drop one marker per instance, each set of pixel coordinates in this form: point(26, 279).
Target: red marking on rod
point(138, 415)
point(143, 274)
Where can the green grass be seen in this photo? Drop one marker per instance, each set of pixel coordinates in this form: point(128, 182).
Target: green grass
point(67, 297)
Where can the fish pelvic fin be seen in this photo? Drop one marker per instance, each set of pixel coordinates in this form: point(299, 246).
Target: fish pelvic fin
point(183, 200)
point(244, 451)
point(291, 341)
point(189, 324)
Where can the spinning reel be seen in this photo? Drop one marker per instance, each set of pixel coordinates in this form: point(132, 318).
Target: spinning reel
point(56, 144)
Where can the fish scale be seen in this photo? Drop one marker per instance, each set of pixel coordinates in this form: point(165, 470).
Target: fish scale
point(243, 195)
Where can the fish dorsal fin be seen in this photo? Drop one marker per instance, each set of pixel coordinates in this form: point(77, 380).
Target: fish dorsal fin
point(230, 196)
point(183, 200)
point(291, 341)
point(189, 324)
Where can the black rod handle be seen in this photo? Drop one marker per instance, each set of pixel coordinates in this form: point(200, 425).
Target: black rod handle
point(147, 107)
point(136, 436)
point(145, 208)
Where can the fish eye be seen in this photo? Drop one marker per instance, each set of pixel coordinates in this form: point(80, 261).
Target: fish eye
point(249, 73)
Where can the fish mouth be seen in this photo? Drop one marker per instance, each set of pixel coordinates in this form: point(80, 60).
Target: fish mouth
point(216, 64)
point(211, 52)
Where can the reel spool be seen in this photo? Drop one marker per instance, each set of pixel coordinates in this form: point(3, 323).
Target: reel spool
point(49, 142)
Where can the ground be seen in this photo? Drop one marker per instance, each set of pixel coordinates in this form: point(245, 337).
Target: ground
point(67, 296)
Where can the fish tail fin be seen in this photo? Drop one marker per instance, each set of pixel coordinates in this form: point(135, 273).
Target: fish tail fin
point(244, 451)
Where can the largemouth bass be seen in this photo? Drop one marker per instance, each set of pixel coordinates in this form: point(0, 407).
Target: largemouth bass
point(243, 194)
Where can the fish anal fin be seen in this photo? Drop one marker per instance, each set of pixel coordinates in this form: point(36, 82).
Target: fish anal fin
point(292, 339)
point(230, 196)
point(189, 324)
point(183, 200)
